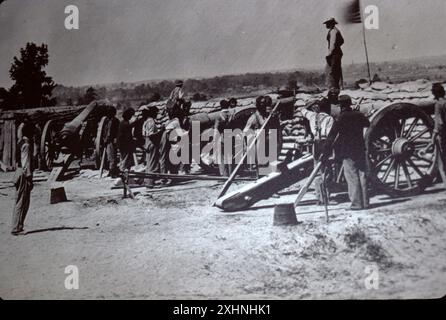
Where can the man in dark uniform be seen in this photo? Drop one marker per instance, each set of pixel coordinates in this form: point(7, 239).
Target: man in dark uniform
point(333, 69)
point(111, 135)
point(347, 139)
point(126, 143)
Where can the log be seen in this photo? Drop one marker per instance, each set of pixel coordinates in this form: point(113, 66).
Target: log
point(183, 176)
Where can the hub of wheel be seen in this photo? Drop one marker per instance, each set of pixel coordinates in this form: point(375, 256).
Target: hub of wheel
point(402, 147)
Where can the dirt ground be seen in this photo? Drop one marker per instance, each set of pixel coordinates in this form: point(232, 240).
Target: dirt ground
point(170, 243)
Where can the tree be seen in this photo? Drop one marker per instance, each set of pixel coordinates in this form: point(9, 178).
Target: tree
point(199, 97)
point(32, 87)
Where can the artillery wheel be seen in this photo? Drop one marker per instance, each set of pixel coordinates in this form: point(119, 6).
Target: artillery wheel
point(99, 142)
point(48, 149)
point(394, 140)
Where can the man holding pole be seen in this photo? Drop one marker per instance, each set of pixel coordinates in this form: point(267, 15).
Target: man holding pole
point(333, 69)
point(266, 122)
point(321, 123)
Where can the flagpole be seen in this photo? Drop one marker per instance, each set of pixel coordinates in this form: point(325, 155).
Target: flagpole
point(365, 42)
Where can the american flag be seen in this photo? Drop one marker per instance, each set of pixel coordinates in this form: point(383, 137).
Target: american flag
point(352, 12)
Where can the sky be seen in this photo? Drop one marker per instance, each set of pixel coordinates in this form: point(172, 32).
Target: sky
point(134, 40)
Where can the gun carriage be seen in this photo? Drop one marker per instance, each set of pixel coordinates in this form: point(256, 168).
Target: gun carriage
point(77, 137)
point(397, 134)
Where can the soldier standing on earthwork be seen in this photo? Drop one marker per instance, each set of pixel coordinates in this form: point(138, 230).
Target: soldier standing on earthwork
point(333, 69)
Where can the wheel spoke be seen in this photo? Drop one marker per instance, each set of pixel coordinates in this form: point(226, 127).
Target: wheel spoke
point(400, 133)
point(382, 150)
point(406, 173)
point(414, 166)
point(397, 176)
point(418, 135)
point(379, 164)
point(384, 142)
point(389, 169)
point(412, 126)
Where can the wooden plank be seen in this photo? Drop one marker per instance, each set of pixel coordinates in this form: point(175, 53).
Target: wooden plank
point(2, 135)
point(183, 176)
point(13, 144)
point(7, 144)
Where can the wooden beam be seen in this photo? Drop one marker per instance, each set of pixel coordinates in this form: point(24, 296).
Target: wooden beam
point(183, 176)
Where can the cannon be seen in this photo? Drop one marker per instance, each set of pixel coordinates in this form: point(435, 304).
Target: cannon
point(76, 137)
point(397, 134)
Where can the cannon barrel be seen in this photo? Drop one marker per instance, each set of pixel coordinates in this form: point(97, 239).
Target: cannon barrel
point(68, 138)
point(207, 120)
point(240, 114)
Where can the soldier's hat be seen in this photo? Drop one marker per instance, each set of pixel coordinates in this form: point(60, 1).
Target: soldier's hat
point(331, 21)
point(178, 83)
point(437, 88)
point(345, 101)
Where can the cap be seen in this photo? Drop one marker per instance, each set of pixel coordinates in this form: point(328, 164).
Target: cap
point(178, 83)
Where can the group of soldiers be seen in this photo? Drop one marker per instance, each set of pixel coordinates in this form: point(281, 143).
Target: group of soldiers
point(339, 140)
point(144, 132)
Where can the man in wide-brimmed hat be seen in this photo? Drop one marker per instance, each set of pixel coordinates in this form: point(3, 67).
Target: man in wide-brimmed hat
point(347, 139)
point(333, 70)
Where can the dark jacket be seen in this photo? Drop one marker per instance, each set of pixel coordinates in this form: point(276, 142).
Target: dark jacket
point(335, 41)
point(347, 136)
point(125, 137)
point(111, 129)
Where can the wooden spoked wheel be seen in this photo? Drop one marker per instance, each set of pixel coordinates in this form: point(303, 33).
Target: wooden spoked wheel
point(394, 140)
point(48, 148)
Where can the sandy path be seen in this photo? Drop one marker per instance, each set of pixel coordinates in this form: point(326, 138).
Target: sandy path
point(171, 244)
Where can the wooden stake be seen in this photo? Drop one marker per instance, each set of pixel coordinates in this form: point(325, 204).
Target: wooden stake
point(253, 143)
point(307, 184)
point(102, 163)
